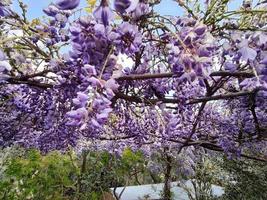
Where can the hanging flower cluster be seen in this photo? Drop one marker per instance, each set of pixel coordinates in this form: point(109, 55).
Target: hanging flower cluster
point(132, 78)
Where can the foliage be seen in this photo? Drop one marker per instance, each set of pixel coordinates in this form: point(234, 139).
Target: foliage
point(103, 171)
point(30, 175)
point(240, 179)
point(202, 180)
point(91, 5)
point(34, 176)
point(246, 180)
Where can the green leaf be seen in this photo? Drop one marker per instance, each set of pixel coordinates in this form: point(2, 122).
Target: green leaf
point(91, 5)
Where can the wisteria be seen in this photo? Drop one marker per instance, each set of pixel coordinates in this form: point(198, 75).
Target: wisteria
point(126, 76)
point(5, 8)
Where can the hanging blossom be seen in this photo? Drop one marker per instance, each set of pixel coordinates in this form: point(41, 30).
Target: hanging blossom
point(67, 4)
point(90, 98)
point(4, 8)
point(243, 52)
point(103, 13)
point(141, 9)
point(125, 6)
point(247, 49)
point(92, 108)
point(51, 10)
point(127, 38)
point(55, 29)
point(5, 67)
point(92, 48)
point(135, 8)
point(191, 50)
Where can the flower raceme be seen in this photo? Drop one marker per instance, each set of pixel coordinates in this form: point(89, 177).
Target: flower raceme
point(128, 38)
point(125, 6)
point(5, 67)
point(4, 8)
point(67, 4)
point(103, 13)
point(134, 8)
point(191, 54)
point(51, 10)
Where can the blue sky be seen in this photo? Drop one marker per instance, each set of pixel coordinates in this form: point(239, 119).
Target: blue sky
point(167, 7)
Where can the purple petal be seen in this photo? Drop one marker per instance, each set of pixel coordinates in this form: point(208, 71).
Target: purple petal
point(104, 15)
point(85, 20)
point(140, 10)
point(230, 66)
point(4, 11)
point(75, 30)
point(199, 30)
point(4, 65)
point(264, 61)
point(112, 84)
point(51, 10)
point(78, 114)
point(2, 55)
point(67, 4)
point(248, 53)
point(90, 69)
point(95, 123)
point(81, 99)
point(95, 82)
point(262, 39)
point(122, 5)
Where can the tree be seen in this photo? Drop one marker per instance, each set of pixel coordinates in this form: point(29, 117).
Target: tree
point(193, 80)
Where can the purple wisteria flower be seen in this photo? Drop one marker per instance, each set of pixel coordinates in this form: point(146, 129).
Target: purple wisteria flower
point(67, 4)
point(140, 10)
point(230, 66)
point(5, 67)
point(2, 11)
point(61, 19)
point(128, 38)
point(112, 84)
point(125, 6)
point(105, 85)
point(81, 99)
point(51, 10)
point(191, 58)
point(246, 52)
point(103, 14)
point(2, 55)
point(4, 8)
point(77, 116)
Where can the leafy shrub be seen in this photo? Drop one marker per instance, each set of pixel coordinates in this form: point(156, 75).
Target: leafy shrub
point(247, 180)
point(26, 174)
point(34, 176)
